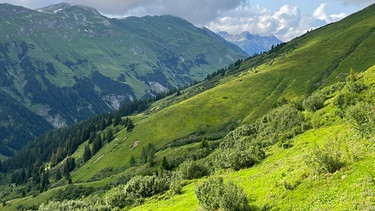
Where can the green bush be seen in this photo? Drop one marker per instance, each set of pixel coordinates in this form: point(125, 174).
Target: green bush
point(213, 194)
point(314, 102)
point(329, 91)
point(343, 100)
point(328, 159)
point(146, 186)
point(285, 121)
point(357, 86)
point(362, 116)
point(193, 170)
point(240, 157)
point(137, 189)
point(233, 136)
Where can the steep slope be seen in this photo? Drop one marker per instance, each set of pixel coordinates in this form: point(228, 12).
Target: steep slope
point(327, 167)
point(67, 62)
point(194, 125)
point(251, 44)
point(292, 71)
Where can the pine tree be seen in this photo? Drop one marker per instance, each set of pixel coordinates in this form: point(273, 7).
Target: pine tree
point(92, 137)
point(132, 161)
point(165, 165)
point(58, 175)
point(69, 165)
point(109, 135)
point(130, 125)
point(352, 75)
point(117, 120)
point(97, 144)
point(45, 181)
point(86, 154)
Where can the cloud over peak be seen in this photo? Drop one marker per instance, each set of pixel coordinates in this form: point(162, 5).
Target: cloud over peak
point(286, 23)
point(233, 16)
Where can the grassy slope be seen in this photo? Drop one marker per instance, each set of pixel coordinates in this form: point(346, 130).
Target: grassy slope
point(294, 74)
point(285, 181)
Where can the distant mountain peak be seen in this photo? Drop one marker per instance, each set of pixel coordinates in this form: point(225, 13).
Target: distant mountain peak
point(9, 10)
point(252, 44)
point(66, 7)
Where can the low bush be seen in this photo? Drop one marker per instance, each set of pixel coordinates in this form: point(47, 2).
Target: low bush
point(327, 159)
point(314, 102)
point(193, 170)
point(213, 194)
point(240, 157)
point(137, 189)
point(362, 116)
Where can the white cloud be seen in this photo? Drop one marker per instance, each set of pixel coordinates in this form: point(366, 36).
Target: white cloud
point(259, 20)
point(286, 23)
point(233, 16)
point(195, 11)
point(321, 14)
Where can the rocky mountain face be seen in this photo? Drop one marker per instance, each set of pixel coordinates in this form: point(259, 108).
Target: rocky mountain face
point(251, 44)
point(65, 63)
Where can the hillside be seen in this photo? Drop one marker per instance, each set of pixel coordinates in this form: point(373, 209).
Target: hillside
point(291, 127)
point(65, 63)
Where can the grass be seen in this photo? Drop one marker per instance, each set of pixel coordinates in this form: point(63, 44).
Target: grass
point(284, 180)
point(295, 74)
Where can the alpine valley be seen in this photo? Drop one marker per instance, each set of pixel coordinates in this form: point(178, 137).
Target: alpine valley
point(289, 129)
point(65, 63)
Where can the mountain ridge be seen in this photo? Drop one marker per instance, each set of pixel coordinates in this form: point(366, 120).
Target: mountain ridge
point(277, 127)
point(251, 44)
point(56, 59)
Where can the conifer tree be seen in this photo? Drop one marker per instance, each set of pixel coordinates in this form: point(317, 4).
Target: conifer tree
point(165, 165)
point(117, 120)
point(86, 153)
point(109, 135)
point(130, 125)
point(58, 175)
point(96, 145)
point(132, 161)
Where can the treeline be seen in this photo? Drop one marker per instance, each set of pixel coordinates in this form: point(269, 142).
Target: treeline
point(241, 148)
point(58, 145)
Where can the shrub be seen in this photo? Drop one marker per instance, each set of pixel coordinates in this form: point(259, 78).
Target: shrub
point(285, 121)
point(137, 189)
point(233, 136)
point(329, 91)
point(146, 186)
point(193, 170)
point(357, 86)
point(328, 159)
point(213, 194)
point(345, 99)
point(362, 117)
point(240, 157)
point(175, 187)
point(314, 102)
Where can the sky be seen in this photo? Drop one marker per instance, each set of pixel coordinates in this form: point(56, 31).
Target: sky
point(286, 19)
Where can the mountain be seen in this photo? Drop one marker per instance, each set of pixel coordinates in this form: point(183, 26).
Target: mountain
point(290, 129)
point(64, 63)
point(251, 44)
